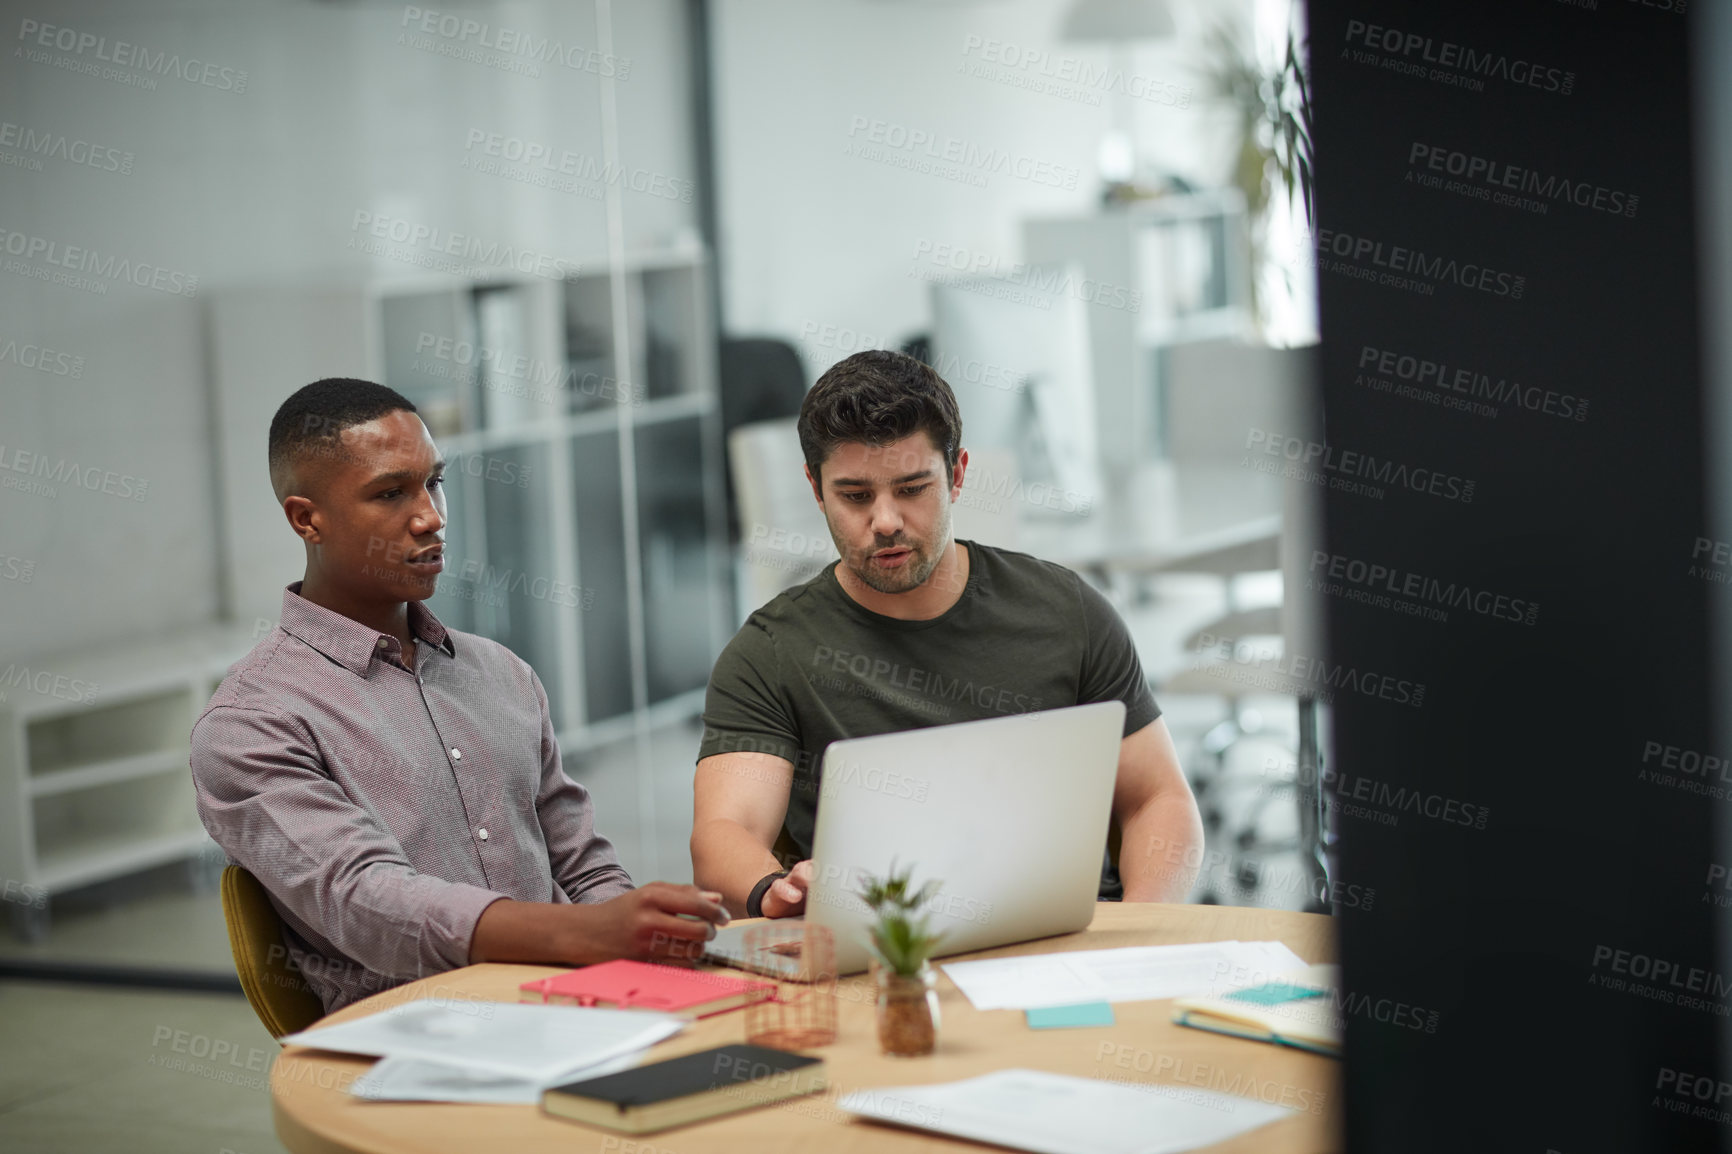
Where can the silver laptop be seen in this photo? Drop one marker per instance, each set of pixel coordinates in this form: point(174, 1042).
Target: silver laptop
point(1009, 814)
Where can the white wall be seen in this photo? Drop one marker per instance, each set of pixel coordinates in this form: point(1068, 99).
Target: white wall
point(257, 187)
point(812, 237)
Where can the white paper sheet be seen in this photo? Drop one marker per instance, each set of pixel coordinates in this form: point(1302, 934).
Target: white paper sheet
point(1131, 974)
point(1060, 1114)
point(415, 1080)
point(535, 1042)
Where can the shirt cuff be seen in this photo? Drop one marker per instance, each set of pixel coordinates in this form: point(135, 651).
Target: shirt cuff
point(606, 891)
point(450, 927)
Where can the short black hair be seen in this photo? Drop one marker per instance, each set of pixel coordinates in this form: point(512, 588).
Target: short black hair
point(877, 397)
point(311, 422)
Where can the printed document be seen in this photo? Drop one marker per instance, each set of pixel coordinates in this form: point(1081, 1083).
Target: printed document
point(1131, 974)
point(1061, 1114)
point(538, 1043)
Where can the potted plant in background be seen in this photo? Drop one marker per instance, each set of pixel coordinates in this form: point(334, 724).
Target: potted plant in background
point(1271, 105)
point(902, 944)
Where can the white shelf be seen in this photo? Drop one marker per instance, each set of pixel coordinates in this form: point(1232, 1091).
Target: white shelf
point(1232, 323)
point(108, 772)
point(670, 409)
point(80, 864)
point(123, 673)
point(599, 420)
point(94, 782)
point(677, 708)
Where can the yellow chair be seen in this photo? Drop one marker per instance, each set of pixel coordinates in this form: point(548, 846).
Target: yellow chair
point(277, 992)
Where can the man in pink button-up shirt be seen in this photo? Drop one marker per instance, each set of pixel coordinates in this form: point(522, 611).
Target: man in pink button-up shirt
point(396, 785)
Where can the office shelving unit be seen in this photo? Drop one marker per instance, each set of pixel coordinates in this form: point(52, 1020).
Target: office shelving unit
point(1188, 258)
point(93, 764)
point(584, 479)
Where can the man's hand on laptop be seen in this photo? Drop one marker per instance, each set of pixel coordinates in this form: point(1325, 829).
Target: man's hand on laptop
point(658, 921)
point(787, 896)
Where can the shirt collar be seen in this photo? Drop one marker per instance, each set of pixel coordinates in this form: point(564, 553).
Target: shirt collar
point(348, 642)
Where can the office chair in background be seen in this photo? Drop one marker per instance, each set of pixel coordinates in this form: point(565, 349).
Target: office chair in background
point(783, 537)
point(762, 379)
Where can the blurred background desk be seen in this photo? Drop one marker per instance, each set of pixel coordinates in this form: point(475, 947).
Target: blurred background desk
point(1214, 527)
point(316, 1115)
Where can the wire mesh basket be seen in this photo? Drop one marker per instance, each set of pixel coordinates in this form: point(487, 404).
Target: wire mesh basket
point(803, 1012)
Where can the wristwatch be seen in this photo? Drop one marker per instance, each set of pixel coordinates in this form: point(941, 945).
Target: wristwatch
point(755, 901)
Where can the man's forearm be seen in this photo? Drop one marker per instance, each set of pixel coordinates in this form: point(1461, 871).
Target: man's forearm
point(657, 921)
point(1161, 849)
point(510, 931)
point(728, 859)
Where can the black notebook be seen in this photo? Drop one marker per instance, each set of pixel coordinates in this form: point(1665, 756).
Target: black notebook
point(687, 1089)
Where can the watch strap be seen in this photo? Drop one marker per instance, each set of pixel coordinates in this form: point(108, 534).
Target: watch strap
point(755, 901)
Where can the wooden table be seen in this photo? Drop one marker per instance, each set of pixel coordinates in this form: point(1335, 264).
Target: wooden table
point(316, 1115)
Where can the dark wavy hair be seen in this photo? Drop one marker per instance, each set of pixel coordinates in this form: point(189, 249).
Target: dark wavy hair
point(877, 397)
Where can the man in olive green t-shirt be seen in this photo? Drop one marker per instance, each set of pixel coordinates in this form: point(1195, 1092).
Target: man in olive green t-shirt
point(911, 628)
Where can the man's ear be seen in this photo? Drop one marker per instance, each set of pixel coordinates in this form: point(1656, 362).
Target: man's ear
point(304, 518)
point(957, 473)
point(817, 493)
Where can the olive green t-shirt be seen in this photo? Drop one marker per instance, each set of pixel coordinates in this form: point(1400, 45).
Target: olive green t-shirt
point(814, 666)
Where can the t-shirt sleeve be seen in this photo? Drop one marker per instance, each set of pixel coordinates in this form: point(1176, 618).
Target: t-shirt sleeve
point(746, 709)
point(1110, 668)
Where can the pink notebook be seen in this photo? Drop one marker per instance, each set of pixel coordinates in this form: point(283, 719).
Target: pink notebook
point(629, 985)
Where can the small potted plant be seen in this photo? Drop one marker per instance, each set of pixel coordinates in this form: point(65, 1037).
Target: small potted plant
point(901, 944)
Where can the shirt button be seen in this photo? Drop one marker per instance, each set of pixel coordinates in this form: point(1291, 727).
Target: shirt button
point(384, 643)
point(456, 754)
point(481, 833)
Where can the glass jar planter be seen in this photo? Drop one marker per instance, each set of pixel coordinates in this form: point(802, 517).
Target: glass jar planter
point(907, 1012)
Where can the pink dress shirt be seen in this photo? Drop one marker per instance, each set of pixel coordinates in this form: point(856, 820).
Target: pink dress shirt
point(383, 808)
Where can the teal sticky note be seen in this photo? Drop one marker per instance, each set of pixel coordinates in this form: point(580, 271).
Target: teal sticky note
point(1064, 1017)
point(1274, 993)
